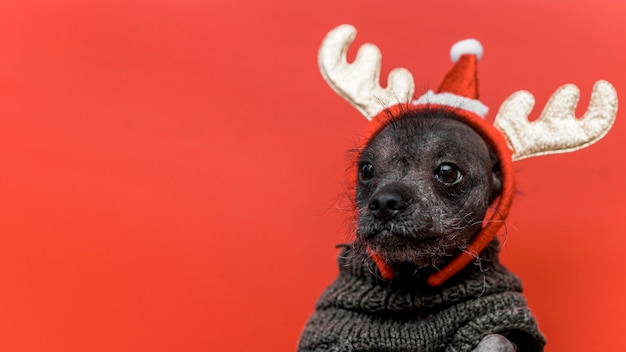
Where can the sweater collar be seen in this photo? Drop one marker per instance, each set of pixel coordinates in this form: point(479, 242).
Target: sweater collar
point(361, 287)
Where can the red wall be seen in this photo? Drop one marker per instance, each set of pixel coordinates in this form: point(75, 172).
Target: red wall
point(172, 171)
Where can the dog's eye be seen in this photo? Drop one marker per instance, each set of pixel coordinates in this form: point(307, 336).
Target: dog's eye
point(448, 174)
point(366, 171)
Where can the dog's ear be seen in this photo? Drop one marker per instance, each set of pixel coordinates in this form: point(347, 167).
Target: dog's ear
point(496, 176)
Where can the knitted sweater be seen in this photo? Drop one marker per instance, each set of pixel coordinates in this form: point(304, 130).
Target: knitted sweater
point(362, 312)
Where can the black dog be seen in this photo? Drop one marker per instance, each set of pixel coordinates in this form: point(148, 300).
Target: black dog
point(425, 183)
point(434, 183)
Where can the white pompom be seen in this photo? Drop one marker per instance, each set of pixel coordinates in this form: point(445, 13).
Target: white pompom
point(466, 46)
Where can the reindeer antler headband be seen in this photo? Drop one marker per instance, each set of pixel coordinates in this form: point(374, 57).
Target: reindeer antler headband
point(512, 136)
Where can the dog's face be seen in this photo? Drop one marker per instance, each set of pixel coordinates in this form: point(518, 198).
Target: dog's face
point(424, 185)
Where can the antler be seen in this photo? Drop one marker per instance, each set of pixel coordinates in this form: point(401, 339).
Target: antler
point(358, 82)
point(557, 130)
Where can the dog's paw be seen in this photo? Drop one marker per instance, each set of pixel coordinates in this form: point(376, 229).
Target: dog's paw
point(495, 343)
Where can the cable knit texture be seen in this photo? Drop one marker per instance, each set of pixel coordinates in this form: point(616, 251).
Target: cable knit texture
point(362, 312)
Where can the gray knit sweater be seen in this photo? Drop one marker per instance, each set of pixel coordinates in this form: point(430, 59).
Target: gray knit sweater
point(362, 312)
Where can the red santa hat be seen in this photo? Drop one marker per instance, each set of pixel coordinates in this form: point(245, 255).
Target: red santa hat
point(459, 88)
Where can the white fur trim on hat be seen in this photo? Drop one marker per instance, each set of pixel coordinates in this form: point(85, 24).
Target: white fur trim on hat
point(453, 100)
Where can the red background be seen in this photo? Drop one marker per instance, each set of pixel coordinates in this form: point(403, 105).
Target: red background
point(172, 171)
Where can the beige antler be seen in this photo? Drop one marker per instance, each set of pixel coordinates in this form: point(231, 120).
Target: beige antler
point(557, 130)
point(359, 82)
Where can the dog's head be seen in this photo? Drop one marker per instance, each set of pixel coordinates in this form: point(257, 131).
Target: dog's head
point(425, 182)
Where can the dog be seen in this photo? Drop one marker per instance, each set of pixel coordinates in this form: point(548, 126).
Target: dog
point(425, 183)
point(433, 183)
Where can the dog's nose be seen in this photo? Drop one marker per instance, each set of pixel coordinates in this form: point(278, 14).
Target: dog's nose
point(387, 203)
